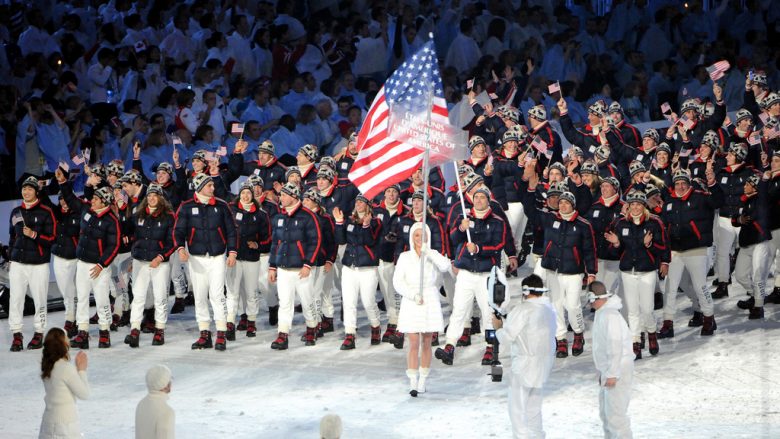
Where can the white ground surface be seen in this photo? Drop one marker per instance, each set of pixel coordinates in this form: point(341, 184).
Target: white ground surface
point(723, 386)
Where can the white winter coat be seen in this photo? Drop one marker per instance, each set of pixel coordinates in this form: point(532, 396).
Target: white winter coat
point(154, 418)
point(529, 331)
point(60, 417)
point(406, 280)
point(613, 353)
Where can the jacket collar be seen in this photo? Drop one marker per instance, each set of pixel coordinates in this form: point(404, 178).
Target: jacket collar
point(31, 206)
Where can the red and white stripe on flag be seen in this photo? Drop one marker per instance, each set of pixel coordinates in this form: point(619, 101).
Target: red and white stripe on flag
point(383, 161)
point(717, 70)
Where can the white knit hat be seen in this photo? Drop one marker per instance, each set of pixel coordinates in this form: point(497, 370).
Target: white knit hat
point(158, 377)
point(330, 427)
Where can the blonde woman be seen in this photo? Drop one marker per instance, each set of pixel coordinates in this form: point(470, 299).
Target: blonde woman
point(420, 315)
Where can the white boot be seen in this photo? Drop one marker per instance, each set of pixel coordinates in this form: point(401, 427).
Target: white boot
point(424, 372)
point(412, 374)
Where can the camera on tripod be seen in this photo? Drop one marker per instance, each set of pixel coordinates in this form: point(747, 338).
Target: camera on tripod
point(496, 298)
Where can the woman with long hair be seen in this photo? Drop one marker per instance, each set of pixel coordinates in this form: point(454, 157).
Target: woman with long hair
point(151, 252)
point(63, 382)
point(420, 315)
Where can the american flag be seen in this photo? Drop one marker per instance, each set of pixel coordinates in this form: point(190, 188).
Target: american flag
point(541, 146)
point(717, 70)
point(553, 88)
point(382, 160)
point(238, 128)
point(221, 151)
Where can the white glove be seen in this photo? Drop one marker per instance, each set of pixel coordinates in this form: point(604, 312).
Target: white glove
point(418, 299)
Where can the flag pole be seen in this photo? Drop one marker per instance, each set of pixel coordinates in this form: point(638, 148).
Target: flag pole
point(462, 201)
point(425, 172)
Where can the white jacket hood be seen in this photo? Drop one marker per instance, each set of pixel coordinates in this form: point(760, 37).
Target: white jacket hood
point(426, 237)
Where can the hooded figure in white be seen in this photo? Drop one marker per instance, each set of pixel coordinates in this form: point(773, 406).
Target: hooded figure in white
point(529, 332)
point(420, 312)
point(613, 356)
point(154, 418)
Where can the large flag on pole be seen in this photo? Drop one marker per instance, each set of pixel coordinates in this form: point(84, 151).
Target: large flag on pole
point(408, 116)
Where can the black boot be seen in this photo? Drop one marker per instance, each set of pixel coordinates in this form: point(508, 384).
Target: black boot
point(667, 330)
point(349, 343)
point(241, 323)
point(18, 344)
point(159, 337)
point(132, 338)
point(750, 302)
point(80, 341)
point(221, 341)
point(178, 306)
point(722, 291)
point(697, 320)
point(327, 324)
point(70, 328)
point(708, 325)
point(389, 331)
point(105, 339)
point(756, 313)
point(465, 338)
point(37, 341)
point(311, 336)
point(230, 334)
point(281, 342)
point(637, 351)
point(652, 341)
point(578, 345)
point(204, 341)
point(446, 355)
point(774, 297)
point(251, 328)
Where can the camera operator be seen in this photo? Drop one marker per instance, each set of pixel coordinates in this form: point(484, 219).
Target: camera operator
point(530, 331)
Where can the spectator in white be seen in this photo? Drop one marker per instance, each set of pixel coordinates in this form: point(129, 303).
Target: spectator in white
point(133, 31)
point(71, 24)
point(241, 49)
point(348, 90)
point(284, 138)
point(613, 356)
point(261, 111)
point(261, 49)
point(660, 83)
point(655, 41)
point(296, 97)
point(330, 131)
point(522, 31)
point(154, 418)
point(634, 63)
point(592, 42)
point(307, 127)
point(330, 427)
point(178, 45)
point(464, 52)
point(213, 111)
point(625, 16)
point(186, 118)
point(530, 334)
point(495, 44)
point(63, 383)
point(101, 77)
point(699, 86)
point(370, 52)
point(35, 38)
point(314, 59)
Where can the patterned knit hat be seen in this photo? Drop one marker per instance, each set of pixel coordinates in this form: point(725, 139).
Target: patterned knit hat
point(313, 194)
point(200, 181)
point(568, 196)
point(155, 188)
point(635, 167)
point(559, 166)
point(116, 168)
point(652, 133)
point(256, 180)
point(31, 182)
point(267, 147)
point(105, 194)
point(310, 151)
point(165, 166)
point(290, 171)
point(602, 153)
point(589, 168)
point(133, 177)
point(292, 190)
point(651, 190)
point(538, 112)
point(327, 174)
point(664, 147)
point(474, 141)
point(614, 182)
point(739, 150)
point(557, 188)
point(615, 107)
point(636, 196)
point(682, 175)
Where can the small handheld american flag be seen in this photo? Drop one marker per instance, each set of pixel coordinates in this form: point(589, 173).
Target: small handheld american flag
point(541, 146)
point(238, 129)
point(717, 70)
point(553, 88)
point(221, 151)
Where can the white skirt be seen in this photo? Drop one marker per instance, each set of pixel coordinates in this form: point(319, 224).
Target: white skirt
point(413, 318)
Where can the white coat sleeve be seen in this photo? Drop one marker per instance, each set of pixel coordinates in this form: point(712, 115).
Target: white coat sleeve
point(400, 282)
point(166, 425)
point(513, 326)
point(98, 76)
point(441, 262)
point(76, 381)
point(614, 345)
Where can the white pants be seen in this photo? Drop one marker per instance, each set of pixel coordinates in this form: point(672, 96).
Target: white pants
point(613, 405)
point(241, 281)
point(517, 221)
point(65, 275)
point(317, 284)
point(724, 247)
point(565, 294)
point(143, 276)
point(639, 293)
point(468, 286)
point(208, 285)
point(36, 277)
point(339, 266)
point(267, 289)
point(100, 289)
point(609, 274)
point(288, 283)
point(448, 282)
point(392, 298)
point(752, 270)
point(695, 263)
point(774, 250)
point(120, 279)
point(525, 410)
point(178, 275)
point(359, 282)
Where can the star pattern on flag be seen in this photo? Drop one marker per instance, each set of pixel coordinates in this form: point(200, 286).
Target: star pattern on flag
point(418, 76)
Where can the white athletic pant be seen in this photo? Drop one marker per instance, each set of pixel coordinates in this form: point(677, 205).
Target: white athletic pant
point(100, 289)
point(448, 281)
point(65, 275)
point(517, 221)
point(565, 294)
point(288, 283)
point(609, 274)
point(774, 251)
point(318, 283)
point(178, 275)
point(241, 281)
point(339, 266)
point(359, 282)
point(639, 293)
point(724, 247)
point(468, 286)
point(143, 276)
point(208, 285)
point(120, 276)
point(695, 262)
point(392, 298)
point(752, 269)
point(36, 277)
point(613, 404)
point(267, 289)
point(525, 410)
